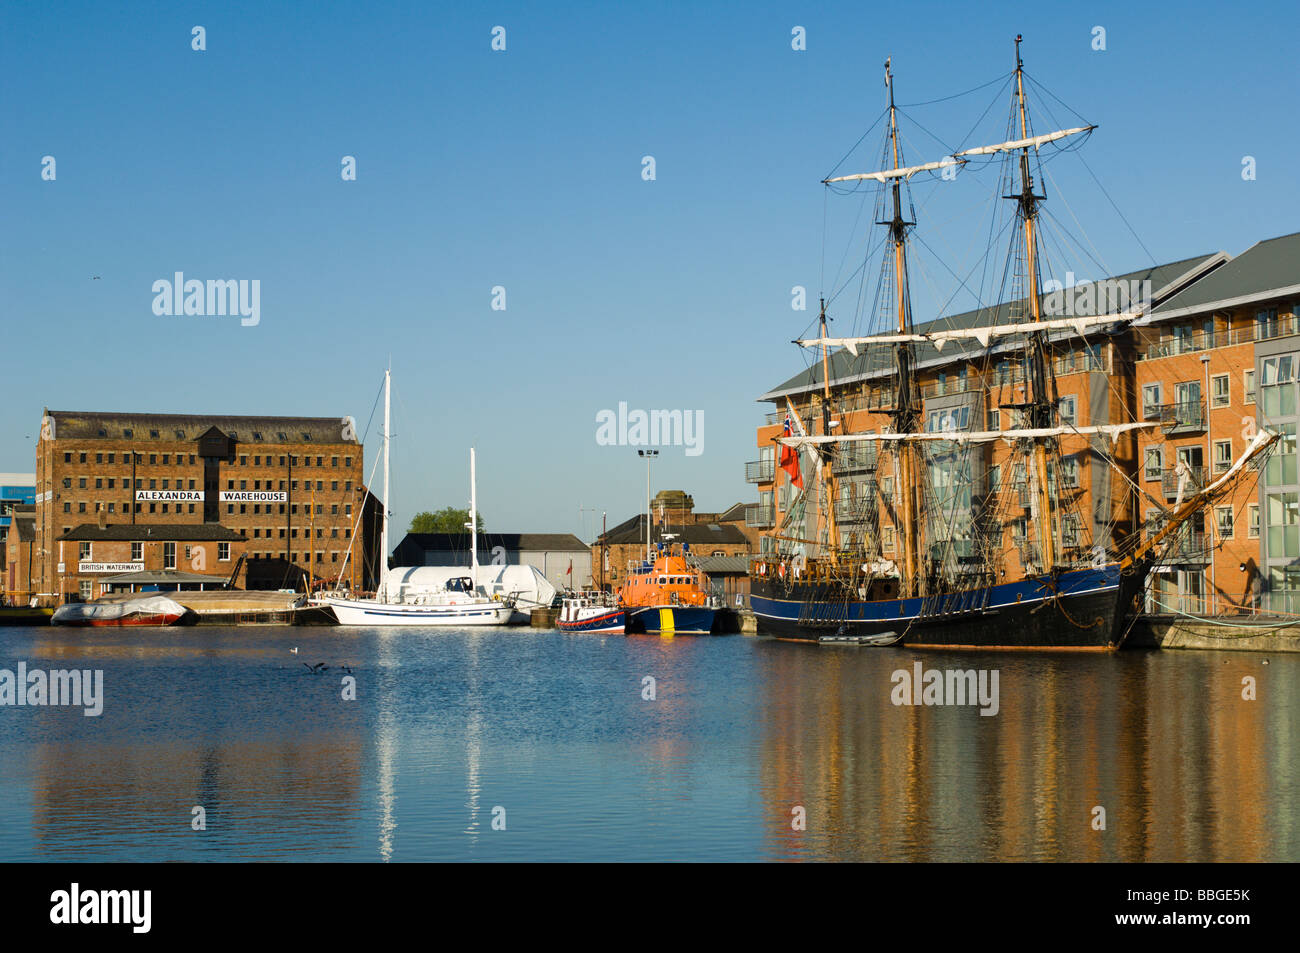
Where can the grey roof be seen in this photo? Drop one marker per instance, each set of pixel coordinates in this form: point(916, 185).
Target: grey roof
point(459, 542)
point(725, 565)
point(735, 514)
point(165, 532)
point(23, 527)
point(1166, 280)
point(154, 577)
point(1268, 269)
point(94, 425)
point(697, 534)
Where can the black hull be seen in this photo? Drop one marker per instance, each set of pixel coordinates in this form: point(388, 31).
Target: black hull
point(1083, 610)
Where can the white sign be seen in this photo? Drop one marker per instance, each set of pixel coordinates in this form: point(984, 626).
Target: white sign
point(110, 567)
point(254, 496)
point(160, 496)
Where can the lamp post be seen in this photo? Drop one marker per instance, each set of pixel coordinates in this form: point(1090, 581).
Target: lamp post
point(649, 455)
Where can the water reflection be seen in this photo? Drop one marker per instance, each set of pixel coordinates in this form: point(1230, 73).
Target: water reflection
point(1183, 766)
point(558, 730)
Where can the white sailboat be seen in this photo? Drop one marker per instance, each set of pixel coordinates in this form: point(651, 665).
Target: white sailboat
point(458, 603)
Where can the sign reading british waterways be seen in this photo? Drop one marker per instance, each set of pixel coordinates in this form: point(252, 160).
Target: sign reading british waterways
point(165, 496)
point(110, 567)
point(254, 496)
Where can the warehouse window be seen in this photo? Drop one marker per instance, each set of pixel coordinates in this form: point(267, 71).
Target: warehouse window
point(137, 552)
point(169, 555)
point(223, 552)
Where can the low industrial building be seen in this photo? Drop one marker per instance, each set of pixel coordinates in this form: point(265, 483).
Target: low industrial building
point(562, 558)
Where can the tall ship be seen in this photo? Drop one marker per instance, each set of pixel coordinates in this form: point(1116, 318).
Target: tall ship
point(982, 541)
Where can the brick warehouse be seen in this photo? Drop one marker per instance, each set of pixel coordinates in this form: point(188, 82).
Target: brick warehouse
point(1216, 354)
point(261, 502)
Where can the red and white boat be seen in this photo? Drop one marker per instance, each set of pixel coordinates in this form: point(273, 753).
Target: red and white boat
point(144, 610)
point(591, 612)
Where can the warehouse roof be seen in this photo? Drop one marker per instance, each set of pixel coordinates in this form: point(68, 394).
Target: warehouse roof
point(725, 565)
point(564, 542)
point(1268, 269)
point(697, 534)
point(163, 532)
point(94, 425)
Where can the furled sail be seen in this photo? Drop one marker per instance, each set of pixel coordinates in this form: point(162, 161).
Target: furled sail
point(1114, 431)
point(982, 334)
point(1032, 142)
point(905, 173)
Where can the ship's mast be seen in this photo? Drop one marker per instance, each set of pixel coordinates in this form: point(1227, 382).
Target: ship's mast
point(828, 473)
point(906, 413)
point(1040, 402)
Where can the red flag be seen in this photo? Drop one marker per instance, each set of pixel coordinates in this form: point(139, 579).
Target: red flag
point(570, 570)
point(790, 458)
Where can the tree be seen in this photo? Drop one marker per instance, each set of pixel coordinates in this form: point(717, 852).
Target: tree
point(446, 520)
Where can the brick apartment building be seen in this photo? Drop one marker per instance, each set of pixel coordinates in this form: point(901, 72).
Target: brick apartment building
point(1213, 357)
point(262, 502)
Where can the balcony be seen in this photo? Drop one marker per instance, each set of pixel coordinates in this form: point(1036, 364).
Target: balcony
point(760, 471)
point(1169, 482)
point(1181, 419)
point(1189, 343)
point(1187, 548)
point(854, 459)
point(760, 515)
point(855, 512)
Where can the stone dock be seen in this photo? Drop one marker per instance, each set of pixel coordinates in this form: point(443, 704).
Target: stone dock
point(1231, 633)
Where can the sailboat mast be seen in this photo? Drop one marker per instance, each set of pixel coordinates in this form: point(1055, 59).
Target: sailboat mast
point(383, 535)
point(1041, 401)
point(828, 472)
point(905, 412)
point(473, 519)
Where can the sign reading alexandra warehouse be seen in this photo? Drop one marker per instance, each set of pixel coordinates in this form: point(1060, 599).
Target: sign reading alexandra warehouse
point(254, 496)
point(168, 496)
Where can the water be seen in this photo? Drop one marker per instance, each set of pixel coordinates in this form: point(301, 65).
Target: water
point(448, 726)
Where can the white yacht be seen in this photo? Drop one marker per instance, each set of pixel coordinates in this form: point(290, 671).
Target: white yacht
point(458, 603)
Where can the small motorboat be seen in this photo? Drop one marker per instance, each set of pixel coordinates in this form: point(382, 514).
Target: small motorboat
point(591, 612)
point(143, 610)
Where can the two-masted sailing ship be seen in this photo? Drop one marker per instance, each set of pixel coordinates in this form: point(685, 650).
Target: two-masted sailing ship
point(981, 560)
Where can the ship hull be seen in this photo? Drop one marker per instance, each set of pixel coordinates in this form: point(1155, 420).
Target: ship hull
point(371, 613)
point(1082, 609)
point(681, 620)
point(606, 623)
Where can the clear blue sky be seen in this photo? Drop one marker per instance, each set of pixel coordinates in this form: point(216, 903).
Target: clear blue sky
point(523, 169)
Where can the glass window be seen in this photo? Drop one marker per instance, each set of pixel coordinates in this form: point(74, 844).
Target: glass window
point(1222, 455)
point(1219, 390)
point(1154, 463)
point(1223, 521)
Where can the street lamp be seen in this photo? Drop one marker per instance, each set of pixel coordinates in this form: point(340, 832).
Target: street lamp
point(649, 455)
